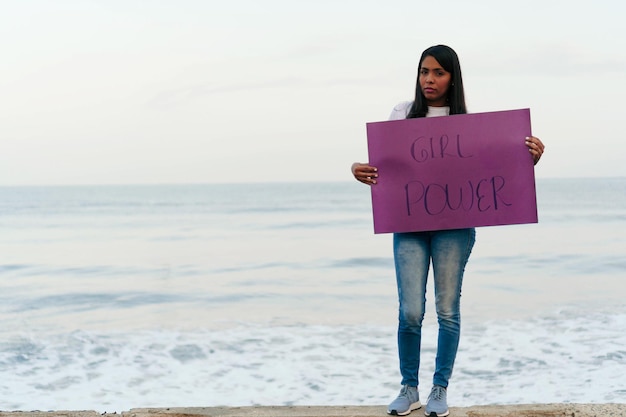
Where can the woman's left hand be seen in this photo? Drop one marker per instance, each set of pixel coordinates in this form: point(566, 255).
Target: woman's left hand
point(535, 146)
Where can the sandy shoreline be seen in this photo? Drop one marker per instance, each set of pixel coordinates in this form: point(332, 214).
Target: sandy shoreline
point(531, 410)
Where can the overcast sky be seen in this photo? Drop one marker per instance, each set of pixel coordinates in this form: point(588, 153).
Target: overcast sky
point(190, 91)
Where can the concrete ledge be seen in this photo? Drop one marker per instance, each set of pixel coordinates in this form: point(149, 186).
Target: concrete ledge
point(532, 410)
point(87, 413)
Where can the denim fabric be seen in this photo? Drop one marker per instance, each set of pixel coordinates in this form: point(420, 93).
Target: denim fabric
point(449, 251)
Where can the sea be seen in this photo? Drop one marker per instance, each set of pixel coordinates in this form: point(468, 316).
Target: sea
point(121, 297)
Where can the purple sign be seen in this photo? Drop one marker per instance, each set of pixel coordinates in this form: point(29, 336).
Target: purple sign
point(452, 172)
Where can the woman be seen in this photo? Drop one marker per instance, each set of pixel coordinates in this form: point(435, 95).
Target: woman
point(439, 92)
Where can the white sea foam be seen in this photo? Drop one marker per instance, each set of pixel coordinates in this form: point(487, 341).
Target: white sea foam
point(565, 357)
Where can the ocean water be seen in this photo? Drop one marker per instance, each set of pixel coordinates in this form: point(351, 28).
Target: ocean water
point(118, 297)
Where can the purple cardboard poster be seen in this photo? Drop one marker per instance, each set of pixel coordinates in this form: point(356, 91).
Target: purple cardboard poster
point(452, 172)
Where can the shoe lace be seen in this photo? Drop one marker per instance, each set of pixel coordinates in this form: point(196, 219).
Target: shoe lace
point(404, 392)
point(438, 393)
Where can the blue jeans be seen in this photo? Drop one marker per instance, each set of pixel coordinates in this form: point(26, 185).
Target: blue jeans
point(449, 251)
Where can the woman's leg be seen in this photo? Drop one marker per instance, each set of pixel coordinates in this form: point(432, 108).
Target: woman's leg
point(412, 259)
point(450, 252)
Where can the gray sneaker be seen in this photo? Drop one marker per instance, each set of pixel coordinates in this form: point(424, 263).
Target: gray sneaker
point(437, 405)
point(407, 401)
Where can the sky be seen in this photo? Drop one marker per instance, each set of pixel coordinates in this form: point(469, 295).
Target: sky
point(190, 91)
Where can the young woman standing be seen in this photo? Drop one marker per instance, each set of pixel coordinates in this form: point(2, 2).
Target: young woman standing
point(439, 92)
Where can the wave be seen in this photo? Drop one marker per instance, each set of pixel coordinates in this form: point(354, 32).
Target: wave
point(556, 358)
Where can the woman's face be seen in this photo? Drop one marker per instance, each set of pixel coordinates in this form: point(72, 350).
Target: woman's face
point(434, 82)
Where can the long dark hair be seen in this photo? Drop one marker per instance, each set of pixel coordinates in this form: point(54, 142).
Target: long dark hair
point(449, 60)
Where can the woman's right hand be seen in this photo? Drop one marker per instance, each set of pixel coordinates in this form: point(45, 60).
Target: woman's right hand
point(365, 173)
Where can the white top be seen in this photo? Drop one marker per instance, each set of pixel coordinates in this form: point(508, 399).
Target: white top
point(402, 110)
